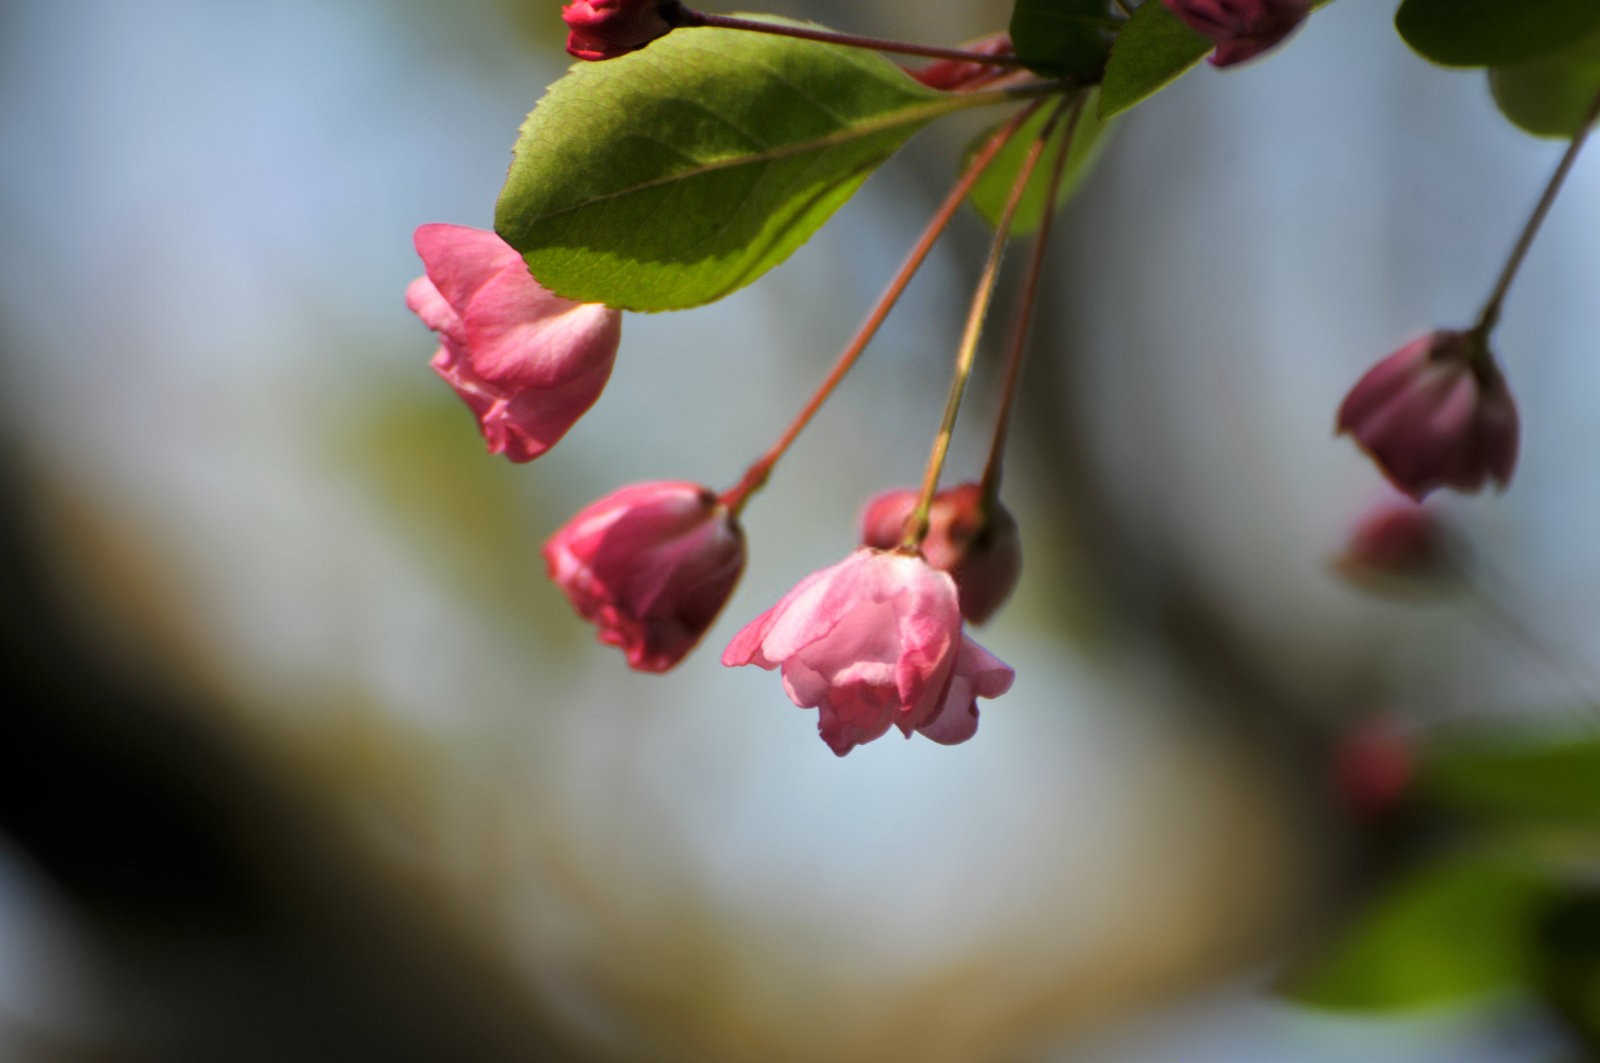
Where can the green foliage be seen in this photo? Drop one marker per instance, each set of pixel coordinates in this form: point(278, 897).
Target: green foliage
point(1549, 96)
point(676, 174)
point(1493, 32)
point(1458, 927)
point(992, 189)
point(1063, 38)
point(1150, 53)
point(1549, 781)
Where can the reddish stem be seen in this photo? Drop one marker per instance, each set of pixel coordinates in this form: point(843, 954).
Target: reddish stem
point(756, 475)
point(686, 16)
point(1024, 322)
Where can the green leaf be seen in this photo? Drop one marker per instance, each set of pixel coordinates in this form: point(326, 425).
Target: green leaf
point(673, 175)
point(1150, 53)
point(1549, 96)
point(992, 189)
point(1510, 778)
point(1457, 927)
point(1063, 38)
point(1493, 32)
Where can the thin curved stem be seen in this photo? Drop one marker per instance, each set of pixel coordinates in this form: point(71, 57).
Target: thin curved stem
point(992, 470)
point(1491, 307)
point(756, 475)
point(689, 17)
point(966, 351)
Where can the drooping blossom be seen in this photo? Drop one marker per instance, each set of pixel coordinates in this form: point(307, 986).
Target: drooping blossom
point(982, 552)
point(1436, 413)
point(964, 75)
point(605, 29)
point(1398, 547)
point(651, 565)
point(1241, 29)
point(529, 363)
point(872, 642)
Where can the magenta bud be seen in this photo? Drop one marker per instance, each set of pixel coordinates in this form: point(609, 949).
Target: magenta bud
point(1241, 29)
point(964, 75)
point(1435, 413)
point(1397, 545)
point(651, 565)
point(605, 29)
point(1374, 765)
point(982, 552)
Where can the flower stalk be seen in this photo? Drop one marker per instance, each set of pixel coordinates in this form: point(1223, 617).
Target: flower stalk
point(756, 475)
point(966, 351)
point(1017, 347)
point(1490, 314)
point(679, 15)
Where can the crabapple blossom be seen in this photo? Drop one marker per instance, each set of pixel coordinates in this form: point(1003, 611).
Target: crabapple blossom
point(982, 552)
point(528, 362)
point(872, 642)
point(651, 565)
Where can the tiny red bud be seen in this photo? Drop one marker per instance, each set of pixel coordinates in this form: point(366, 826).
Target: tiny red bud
point(1374, 765)
point(981, 551)
point(1436, 413)
point(1241, 29)
point(605, 29)
point(652, 566)
point(964, 75)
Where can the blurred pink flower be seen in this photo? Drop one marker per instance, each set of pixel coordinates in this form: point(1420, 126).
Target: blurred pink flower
point(964, 75)
point(1241, 29)
point(1373, 766)
point(1398, 546)
point(1435, 413)
point(651, 565)
point(872, 641)
point(529, 363)
point(605, 29)
point(983, 556)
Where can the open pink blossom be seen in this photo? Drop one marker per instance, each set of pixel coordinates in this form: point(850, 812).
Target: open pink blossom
point(529, 363)
point(605, 29)
point(874, 641)
point(651, 565)
point(982, 552)
point(1241, 29)
point(1436, 413)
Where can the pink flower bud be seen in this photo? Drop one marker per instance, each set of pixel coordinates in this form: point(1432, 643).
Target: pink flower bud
point(1435, 413)
point(871, 642)
point(605, 29)
point(1397, 546)
point(964, 75)
point(983, 556)
point(651, 565)
point(528, 363)
point(1241, 29)
point(1374, 765)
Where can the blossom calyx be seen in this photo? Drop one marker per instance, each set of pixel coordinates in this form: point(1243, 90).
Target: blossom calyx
point(605, 29)
point(979, 546)
point(528, 362)
point(651, 565)
point(872, 642)
point(1436, 413)
point(1241, 29)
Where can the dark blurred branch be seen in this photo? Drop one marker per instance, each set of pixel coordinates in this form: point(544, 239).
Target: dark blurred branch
point(241, 923)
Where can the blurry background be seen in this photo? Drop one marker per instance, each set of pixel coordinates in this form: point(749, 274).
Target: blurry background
point(309, 761)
